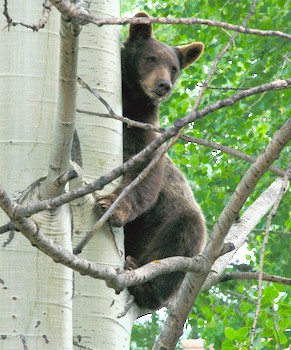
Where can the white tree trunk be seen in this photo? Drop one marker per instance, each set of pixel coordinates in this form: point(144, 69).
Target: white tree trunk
point(96, 307)
point(35, 310)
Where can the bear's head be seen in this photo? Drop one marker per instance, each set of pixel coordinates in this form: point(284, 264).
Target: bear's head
point(152, 67)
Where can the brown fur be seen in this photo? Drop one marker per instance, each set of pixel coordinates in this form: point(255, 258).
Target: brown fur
point(160, 216)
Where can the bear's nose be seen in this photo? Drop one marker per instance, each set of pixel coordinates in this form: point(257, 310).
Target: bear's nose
point(163, 86)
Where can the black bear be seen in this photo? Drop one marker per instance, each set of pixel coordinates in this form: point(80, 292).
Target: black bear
point(160, 216)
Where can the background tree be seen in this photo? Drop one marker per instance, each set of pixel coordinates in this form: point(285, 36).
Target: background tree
point(31, 298)
point(214, 175)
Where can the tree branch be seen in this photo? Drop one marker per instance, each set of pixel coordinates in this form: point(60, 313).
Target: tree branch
point(220, 55)
point(262, 255)
point(80, 15)
point(121, 279)
point(275, 232)
point(114, 278)
point(247, 184)
point(181, 306)
point(47, 7)
point(52, 249)
point(67, 8)
point(240, 230)
point(253, 276)
point(170, 132)
point(207, 143)
point(64, 127)
point(236, 153)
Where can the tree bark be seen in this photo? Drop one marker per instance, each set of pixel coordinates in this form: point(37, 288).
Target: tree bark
point(35, 292)
point(96, 307)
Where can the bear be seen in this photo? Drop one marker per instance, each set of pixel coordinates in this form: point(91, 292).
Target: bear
point(160, 215)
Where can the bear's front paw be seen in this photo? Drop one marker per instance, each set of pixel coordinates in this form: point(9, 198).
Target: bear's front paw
point(105, 202)
point(130, 263)
point(119, 216)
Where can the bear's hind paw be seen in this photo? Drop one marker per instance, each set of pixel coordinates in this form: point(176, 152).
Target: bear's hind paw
point(130, 263)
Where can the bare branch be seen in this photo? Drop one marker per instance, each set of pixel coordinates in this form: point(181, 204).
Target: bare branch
point(187, 138)
point(262, 255)
point(128, 121)
point(231, 151)
point(113, 277)
point(49, 247)
point(253, 276)
point(80, 15)
point(64, 128)
point(181, 306)
point(95, 93)
point(169, 133)
point(247, 184)
point(6, 14)
point(274, 232)
point(229, 101)
point(219, 56)
point(286, 58)
point(65, 177)
point(225, 88)
point(6, 228)
point(73, 12)
point(240, 230)
point(185, 21)
point(47, 7)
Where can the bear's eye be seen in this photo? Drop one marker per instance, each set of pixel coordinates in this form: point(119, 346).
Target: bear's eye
point(174, 70)
point(150, 59)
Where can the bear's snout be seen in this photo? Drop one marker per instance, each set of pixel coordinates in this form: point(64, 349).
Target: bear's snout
point(163, 87)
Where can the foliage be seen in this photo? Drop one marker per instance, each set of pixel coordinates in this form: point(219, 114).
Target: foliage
point(145, 332)
point(224, 315)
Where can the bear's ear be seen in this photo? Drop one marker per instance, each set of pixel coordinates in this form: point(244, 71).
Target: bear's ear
point(189, 53)
point(140, 30)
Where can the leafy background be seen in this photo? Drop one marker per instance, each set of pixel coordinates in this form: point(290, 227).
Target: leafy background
point(223, 315)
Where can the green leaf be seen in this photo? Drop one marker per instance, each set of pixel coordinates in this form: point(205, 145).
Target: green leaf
point(283, 338)
point(269, 323)
point(283, 323)
point(228, 345)
point(267, 332)
point(230, 333)
point(243, 331)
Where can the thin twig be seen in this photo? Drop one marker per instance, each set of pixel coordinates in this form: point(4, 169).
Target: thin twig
point(6, 228)
point(225, 88)
point(274, 232)
point(240, 296)
point(286, 58)
point(47, 7)
point(276, 329)
point(95, 93)
point(6, 14)
point(253, 276)
point(187, 138)
point(262, 255)
point(220, 55)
